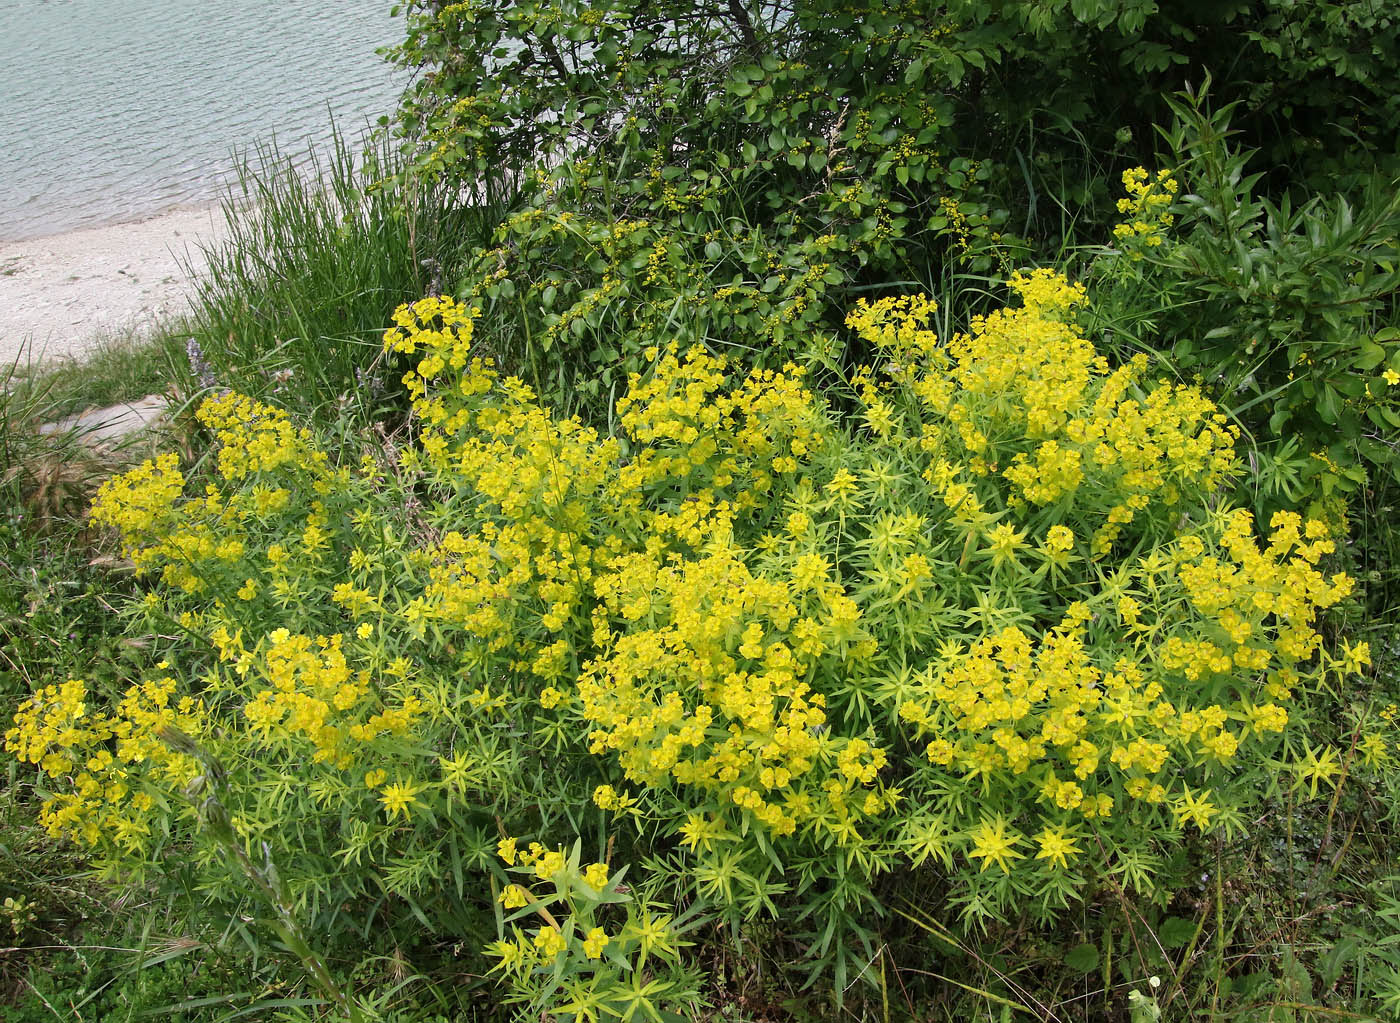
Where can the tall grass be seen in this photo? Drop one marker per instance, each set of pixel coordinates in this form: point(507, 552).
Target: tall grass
point(318, 255)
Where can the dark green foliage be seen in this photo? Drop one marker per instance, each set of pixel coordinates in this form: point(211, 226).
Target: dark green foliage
point(1289, 312)
point(713, 174)
point(737, 173)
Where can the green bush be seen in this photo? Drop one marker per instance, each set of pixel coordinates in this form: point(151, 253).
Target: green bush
point(936, 670)
point(997, 636)
point(731, 173)
point(1287, 313)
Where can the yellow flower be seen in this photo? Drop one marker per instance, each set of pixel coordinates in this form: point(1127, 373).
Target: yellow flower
point(940, 751)
point(594, 943)
point(597, 875)
point(1222, 745)
point(548, 864)
point(1059, 540)
point(1057, 846)
point(1355, 659)
point(505, 849)
point(513, 897)
point(1391, 377)
point(991, 843)
point(375, 778)
point(1268, 717)
point(700, 832)
point(398, 797)
point(842, 486)
point(1067, 795)
point(608, 798)
point(365, 630)
point(1004, 541)
point(550, 942)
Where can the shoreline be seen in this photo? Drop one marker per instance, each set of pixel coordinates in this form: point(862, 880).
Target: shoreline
point(62, 294)
point(132, 219)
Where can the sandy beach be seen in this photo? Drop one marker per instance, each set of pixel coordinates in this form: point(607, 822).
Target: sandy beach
point(60, 294)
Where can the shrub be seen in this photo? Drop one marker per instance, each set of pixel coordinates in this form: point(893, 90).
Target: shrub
point(999, 635)
point(729, 173)
point(1287, 313)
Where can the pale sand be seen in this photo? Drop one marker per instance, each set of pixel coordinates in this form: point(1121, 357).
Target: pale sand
point(60, 295)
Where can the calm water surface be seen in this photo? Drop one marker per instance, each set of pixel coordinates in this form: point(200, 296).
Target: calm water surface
point(115, 110)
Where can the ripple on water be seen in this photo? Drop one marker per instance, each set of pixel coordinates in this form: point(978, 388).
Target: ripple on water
point(115, 110)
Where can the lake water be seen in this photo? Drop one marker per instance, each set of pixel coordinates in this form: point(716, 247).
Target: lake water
point(116, 110)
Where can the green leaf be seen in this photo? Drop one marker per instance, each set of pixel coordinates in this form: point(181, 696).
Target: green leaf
point(1372, 355)
point(1176, 931)
point(1327, 404)
point(1084, 958)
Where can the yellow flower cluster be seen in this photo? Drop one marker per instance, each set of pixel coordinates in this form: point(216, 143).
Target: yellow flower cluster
point(1013, 550)
point(573, 524)
point(438, 328)
point(691, 430)
point(714, 693)
point(315, 698)
point(1045, 722)
point(1028, 398)
point(204, 536)
point(605, 797)
point(140, 502)
point(1145, 207)
point(114, 766)
point(583, 926)
point(257, 438)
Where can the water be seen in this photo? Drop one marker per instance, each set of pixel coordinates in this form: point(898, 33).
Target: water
point(116, 110)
